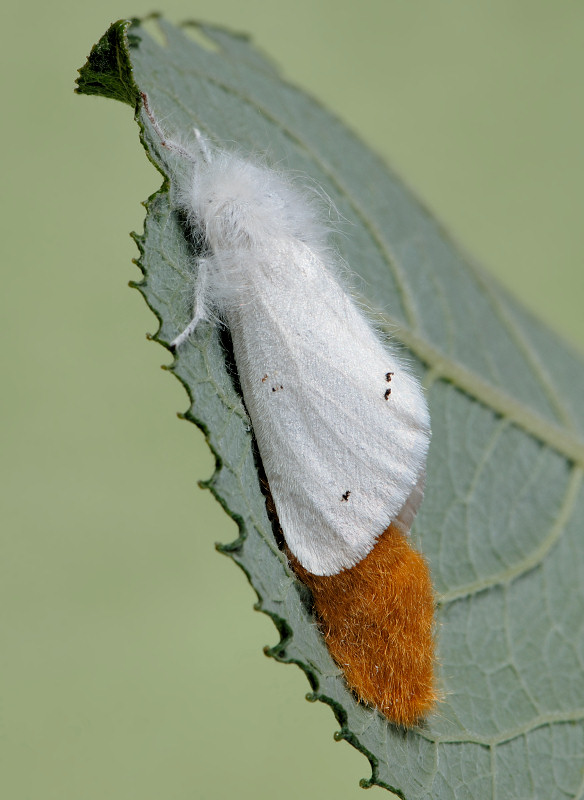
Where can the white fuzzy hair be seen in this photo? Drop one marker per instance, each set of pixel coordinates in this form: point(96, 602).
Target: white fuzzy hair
point(341, 424)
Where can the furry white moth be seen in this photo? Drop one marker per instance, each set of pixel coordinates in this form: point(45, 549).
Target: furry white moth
point(341, 424)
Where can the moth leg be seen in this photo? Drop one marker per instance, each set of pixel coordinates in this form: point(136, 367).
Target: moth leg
point(199, 304)
point(203, 146)
point(165, 141)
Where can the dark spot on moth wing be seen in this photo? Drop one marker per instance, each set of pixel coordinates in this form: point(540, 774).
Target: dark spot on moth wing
point(264, 379)
point(389, 376)
point(345, 497)
point(387, 393)
point(277, 388)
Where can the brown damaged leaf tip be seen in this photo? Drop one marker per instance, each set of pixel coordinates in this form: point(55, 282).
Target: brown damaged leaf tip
point(377, 620)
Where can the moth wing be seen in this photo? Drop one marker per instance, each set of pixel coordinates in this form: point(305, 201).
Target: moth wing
point(342, 427)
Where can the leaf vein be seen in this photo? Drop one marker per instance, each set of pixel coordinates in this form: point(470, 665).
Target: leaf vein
point(510, 573)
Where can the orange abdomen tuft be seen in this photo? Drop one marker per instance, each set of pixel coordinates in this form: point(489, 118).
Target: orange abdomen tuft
point(377, 620)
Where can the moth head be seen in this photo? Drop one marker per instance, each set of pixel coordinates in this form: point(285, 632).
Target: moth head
point(237, 203)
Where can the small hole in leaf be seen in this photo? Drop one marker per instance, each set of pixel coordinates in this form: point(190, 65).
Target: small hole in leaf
point(151, 26)
point(194, 32)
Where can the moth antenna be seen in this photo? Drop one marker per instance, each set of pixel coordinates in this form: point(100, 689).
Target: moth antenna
point(203, 146)
point(171, 144)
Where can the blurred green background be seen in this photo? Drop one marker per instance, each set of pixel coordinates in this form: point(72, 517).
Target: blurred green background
point(132, 659)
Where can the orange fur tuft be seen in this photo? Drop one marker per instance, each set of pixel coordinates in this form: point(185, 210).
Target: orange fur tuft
point(377, 621)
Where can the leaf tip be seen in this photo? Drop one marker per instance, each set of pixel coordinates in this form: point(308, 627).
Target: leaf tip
point(108, 71)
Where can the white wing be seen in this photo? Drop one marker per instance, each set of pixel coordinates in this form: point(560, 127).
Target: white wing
point(342, 427)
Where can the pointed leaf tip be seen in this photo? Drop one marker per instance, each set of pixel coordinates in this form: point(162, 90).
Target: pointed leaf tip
point(108, 71)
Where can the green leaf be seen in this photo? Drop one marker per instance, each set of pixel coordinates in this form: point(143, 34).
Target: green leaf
point(501, 523)
point(108, 71)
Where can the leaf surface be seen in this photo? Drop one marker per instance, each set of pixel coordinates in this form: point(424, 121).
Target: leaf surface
point(501, 523)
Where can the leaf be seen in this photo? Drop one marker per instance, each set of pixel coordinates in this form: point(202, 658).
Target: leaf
point(501, 523)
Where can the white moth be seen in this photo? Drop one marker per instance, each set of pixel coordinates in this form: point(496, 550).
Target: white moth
point(341, 424)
